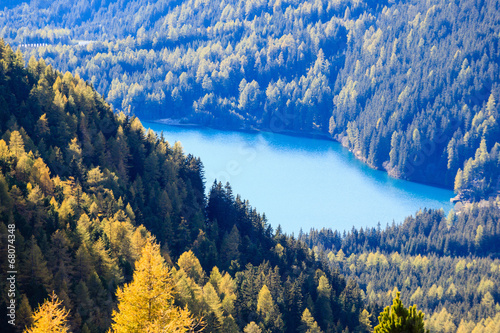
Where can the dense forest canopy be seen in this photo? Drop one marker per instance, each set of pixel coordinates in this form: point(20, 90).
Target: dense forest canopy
point(448, 265)
point(83, 210)
point(83, 191)
point(410, 87)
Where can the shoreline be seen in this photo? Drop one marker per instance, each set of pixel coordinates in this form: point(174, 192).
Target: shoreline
point(308, 135)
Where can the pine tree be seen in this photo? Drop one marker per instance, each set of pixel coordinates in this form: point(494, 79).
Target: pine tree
point(230, 247)
point(50, 317)
point(146, 304)
point(398, 319)
point(35, 272)
point(5, 199)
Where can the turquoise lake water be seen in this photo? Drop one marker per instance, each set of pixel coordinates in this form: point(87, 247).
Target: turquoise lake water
point(303, 183)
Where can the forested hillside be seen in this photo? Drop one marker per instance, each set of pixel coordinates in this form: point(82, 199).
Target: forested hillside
point(409, 87)
point(448, 265)
point(418, 94)
point(233, 64)
point(83, 190)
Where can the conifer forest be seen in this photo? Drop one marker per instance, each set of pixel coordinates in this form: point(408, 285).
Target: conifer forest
point(105, 226)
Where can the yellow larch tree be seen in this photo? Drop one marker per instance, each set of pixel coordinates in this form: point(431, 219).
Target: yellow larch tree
point(50, 317)
point(146, 303)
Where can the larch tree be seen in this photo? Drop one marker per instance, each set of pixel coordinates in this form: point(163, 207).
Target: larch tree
point(42, 126)
point(269, 311)
point(252, 327)
point(16, 143)
point(41, 175)
point(309, 325)
point(323, 307)
point(214, 313)
point(50, 317)
point(191, 265)
point(146, 303)
point(364, 321)
point(265, 304)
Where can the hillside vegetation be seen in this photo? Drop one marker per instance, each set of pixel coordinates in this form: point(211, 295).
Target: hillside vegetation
point(410, 87)
point(84, 190)
point(448, 265)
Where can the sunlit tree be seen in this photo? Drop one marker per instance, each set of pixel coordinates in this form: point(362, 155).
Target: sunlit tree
point(146, 304)
point(50, 317)
point(398, 319)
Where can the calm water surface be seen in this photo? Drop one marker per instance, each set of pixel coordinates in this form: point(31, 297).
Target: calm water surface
point(303, 183)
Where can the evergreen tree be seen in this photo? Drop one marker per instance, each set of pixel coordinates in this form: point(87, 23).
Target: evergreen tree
point(398, 319)
point(24, 315)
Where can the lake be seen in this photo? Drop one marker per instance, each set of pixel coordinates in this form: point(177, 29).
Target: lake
point(301, 182)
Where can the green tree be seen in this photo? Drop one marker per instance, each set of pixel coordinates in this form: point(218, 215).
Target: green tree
point(24, 315)
point(398, 319)
point(230, 247)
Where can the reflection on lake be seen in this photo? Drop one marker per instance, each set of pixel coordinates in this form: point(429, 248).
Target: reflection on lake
point(303, 183)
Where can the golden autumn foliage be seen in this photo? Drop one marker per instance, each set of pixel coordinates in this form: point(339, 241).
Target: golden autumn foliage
point(146, 304)
point(50, 317)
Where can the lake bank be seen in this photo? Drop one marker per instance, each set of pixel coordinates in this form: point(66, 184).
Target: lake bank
point(298, 134)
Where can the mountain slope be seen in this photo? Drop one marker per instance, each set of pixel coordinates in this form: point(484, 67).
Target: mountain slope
point(82, 189)
point(410, 87)
point(447, 265)
point(417, 95)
